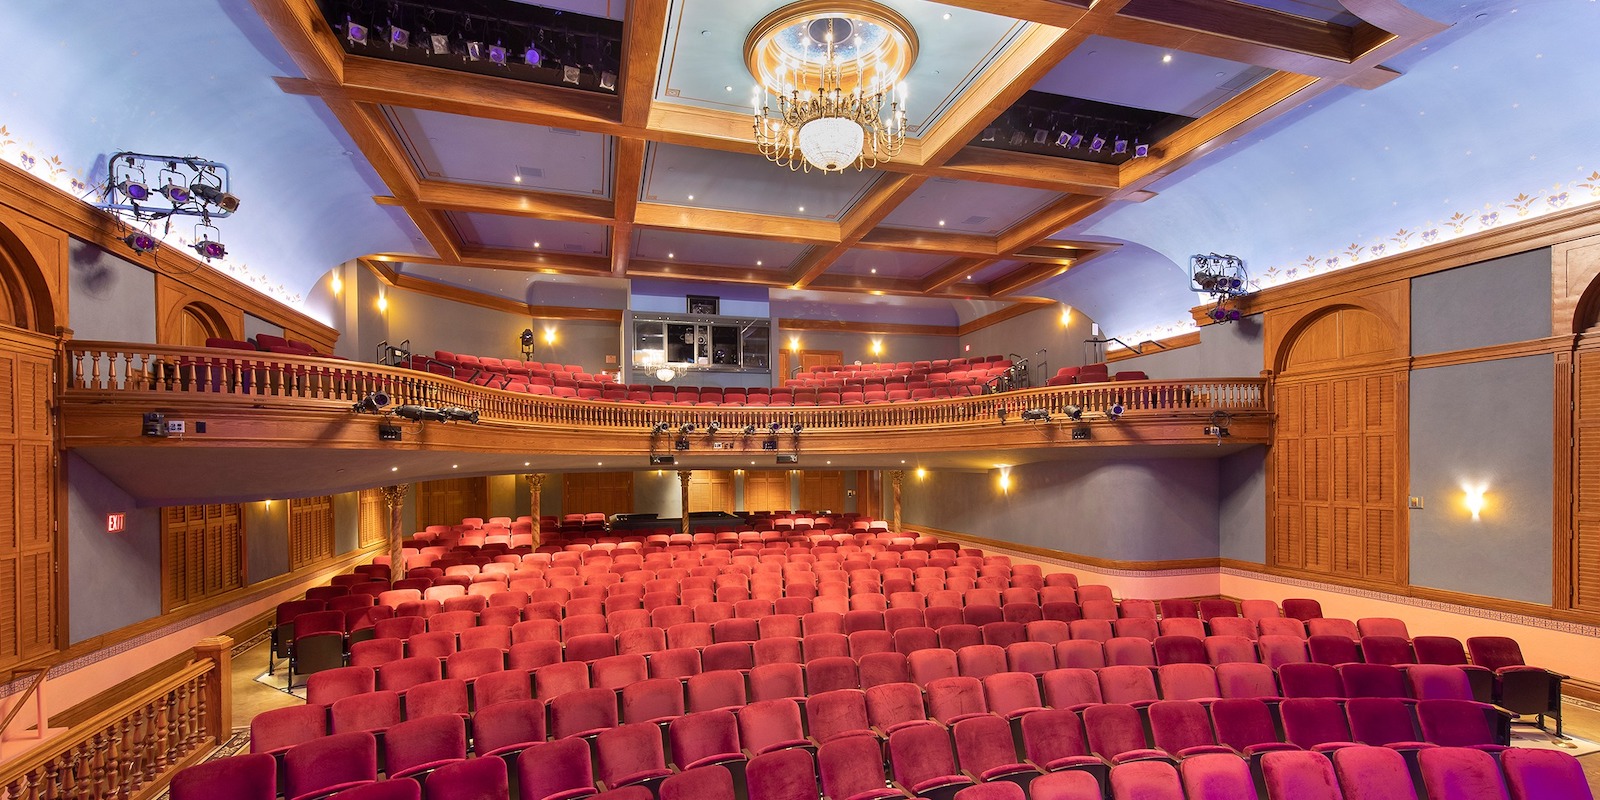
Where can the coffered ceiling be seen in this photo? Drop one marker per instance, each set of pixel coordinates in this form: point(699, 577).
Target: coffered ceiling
point(657, 176)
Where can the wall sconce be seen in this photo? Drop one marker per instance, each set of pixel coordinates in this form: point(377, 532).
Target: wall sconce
point(794, 344)
point(1005, 477)
point(383, 302)
point(877, 347)
point(921, 473)
point(550, 335)
point(335, 284)
point(1472, 499)
point(1066, 316)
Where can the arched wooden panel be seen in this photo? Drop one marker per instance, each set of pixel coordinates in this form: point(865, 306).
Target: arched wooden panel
point(1339, 443)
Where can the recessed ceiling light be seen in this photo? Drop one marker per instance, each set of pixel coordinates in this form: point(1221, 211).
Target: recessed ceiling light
point(527, 463)
point(874, 270)
point(455, 466)
point(758, 262)
point(599, 463)
point(536, 245)
point(969, 277)
point(828, 462)
point(947, 15)
point(902, 461)
point(691, 197)
point(516, 178)
point(941, 223)
point(727, 88)
point(394, 469)
point(1166, 59)
point(802, 209)
point(670, 255)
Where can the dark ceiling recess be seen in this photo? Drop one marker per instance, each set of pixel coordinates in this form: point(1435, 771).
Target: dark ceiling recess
point(1067, 127)
point(489, 37)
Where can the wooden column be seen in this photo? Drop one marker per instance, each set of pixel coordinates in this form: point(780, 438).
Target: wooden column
point(217, 697)
point(535, 489)
point(683, 493)
point(898, 477)
point(395, 498)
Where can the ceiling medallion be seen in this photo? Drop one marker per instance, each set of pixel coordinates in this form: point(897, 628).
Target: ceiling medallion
point(836, 69)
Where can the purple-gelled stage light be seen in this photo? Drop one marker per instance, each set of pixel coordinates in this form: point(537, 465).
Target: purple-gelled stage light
point(1219, 314)
point(1061, 141)
point(175, 193)
point(497, 54)
point(134, 190)
point(474, 51)
point(355, 31)
point(1075, 140)
point(1119, 147)
point(209, 249)
point(1233, 315)
point(399, 37)
point(140, 242)
point(1097, 144)
point(1140, 150)
point(532, 57)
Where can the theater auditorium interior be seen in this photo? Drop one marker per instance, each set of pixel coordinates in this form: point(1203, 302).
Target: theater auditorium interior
point(762, 400)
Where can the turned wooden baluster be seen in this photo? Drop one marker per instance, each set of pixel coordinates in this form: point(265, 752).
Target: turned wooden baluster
point(100, 746)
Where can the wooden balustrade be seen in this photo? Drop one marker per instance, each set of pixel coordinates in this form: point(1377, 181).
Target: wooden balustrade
point(108, 370)
point(131, 750)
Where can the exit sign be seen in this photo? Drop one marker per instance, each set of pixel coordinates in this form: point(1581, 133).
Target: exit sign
point(116, 523)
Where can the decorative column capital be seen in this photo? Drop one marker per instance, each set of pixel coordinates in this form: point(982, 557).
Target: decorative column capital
point(684, 475)
point(898, 476)
point(395, 495)
point(535, 480)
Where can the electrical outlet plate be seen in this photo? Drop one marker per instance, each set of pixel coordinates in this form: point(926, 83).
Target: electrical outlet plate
point(1414, 501)
point(175, 426)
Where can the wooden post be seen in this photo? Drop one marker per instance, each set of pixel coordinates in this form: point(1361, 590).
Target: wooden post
point(683, 487)
point(218, 698)
point(898, 477)
point(395, 498)
point(535, 490)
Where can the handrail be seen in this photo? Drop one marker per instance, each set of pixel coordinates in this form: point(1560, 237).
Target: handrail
point(33, 686)
point(132, 748)
point(106, 370)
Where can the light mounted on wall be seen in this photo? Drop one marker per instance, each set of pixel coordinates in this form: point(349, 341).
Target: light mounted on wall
point(877, 347)
point(334, 284)
point(1005, 477)
point(1472, 499)
point(921, 473)
point(383, 302)
point(1066, 316)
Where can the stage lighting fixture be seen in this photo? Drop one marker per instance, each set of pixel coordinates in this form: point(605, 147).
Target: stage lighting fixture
point(419, 413)
point(136, 191)
point(1116, 410)
point(686, 428)
point(775, 427)
point(526, 337)
point(749, 430)
point(372, 403)
point(355, 31)
point(1120, 146)
point(1075, 140)
point(209, 249)
point(455, 414)
point(608, 81)
point(570, 75)
point(532, 57)
point(155, 424)
point(661, 427)
point(1018, 138)
point(1061, 141)
point(439, 44)
point(140, 242)
point(399, 37)
point(989, 134)
point(1140, 150)
point(497, 54)
point(474, 51)
point(1073, 413)
point(1041, 136)
point(226, 201)
point(1036, 415)
point(711, 429)
point(798, 428)
point(175, 193)
point(1097, 144)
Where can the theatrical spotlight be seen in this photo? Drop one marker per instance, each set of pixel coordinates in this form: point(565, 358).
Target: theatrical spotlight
point(371, 404)
point(140, 242)
point(175, 193)
point(225, 201)
point(134, 190)
point(1116, 410)
point(775, 427)
point(749, 430)
point(454, 414)
point(661, 427)
point(711, 429)
point(209, 250)
point(686, 428)
point(1073, 413)
point(798, 428)
point(1036, 415)
point(1097, 144)
point(420, 413)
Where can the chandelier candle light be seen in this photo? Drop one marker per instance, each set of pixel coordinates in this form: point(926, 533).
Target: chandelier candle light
point(837, 72)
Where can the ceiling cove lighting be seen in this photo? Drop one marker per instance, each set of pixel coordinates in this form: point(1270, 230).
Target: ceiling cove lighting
point(837, 74)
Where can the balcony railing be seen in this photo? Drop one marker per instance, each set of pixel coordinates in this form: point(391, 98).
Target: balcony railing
point(109, 370)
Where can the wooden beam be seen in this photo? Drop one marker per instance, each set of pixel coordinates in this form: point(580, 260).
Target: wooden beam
point(1053, 218)
point(642, 37)
point(887, 193)
point(991, 165)
point(1028, 59)
point(1044, 12)
point(437, 230)
point(1030, 274)
point(627, 176)
point(445, 196)
point(918, 241)
point(736, 223)
point(300, 27)
point(705, 272)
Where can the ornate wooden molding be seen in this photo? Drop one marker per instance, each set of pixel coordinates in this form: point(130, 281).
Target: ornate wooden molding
point(1494, 352)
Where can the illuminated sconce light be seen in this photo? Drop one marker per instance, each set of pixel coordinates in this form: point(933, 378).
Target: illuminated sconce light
point(549, 335)
point(383, 302)
point(921, 473)
point(794, 343)
point(335, 284)
point(1472, 498)
point(877, 347)
point(1066, 316)
point(1005, 477)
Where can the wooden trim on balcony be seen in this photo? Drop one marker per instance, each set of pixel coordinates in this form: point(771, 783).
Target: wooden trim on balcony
point(1178, 342)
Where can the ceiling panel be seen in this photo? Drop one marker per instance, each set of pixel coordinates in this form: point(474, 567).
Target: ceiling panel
point(968, 207)
point(497, 153)
point(610, 9)
point(738, 182)
point(527, 233)
point(702, 63)
point(995, 270)
point(726, 251)
point(1323, 10)
point(582, 291)
point(1142, 76)
point(887, 264)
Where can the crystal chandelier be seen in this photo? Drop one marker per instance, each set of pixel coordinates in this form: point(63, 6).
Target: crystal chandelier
point(839, 105)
